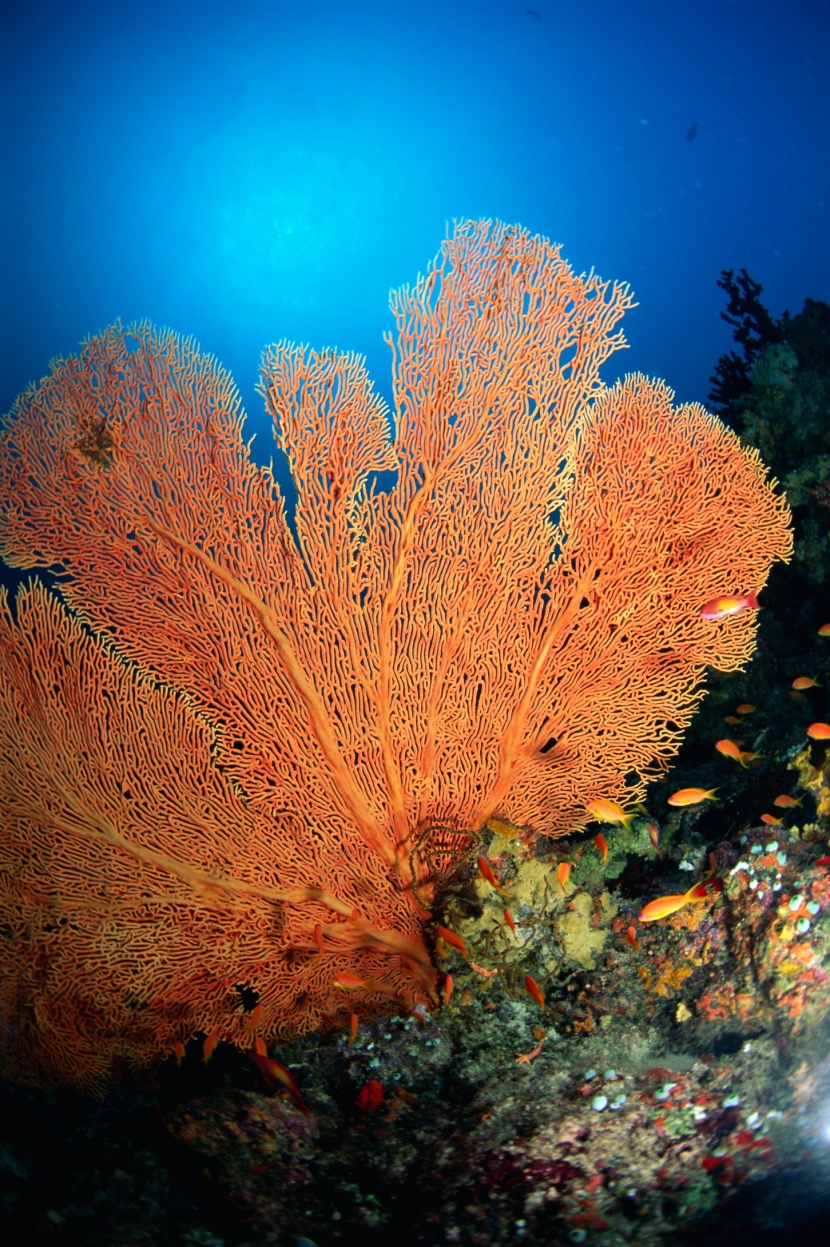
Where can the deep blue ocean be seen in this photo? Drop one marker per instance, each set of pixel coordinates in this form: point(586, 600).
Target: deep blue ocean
point(259, 170)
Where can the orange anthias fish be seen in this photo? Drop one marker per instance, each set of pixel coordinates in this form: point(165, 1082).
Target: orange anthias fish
point(804, 681)
point(692, 796)
point(770, 820)
point(209, 1046)
point(349, 982)
point(450, 937)
point(533, 989)
point(447, 988)
point(563, 871)
point(275, 1074)
point(746, 708)
point(819, 731)
point(786, 802)
point(719, 608)
point(731, 749)
point(666, 905)
point(824, 630)
point(486, 872)
point(602, 845)
point(605, 811)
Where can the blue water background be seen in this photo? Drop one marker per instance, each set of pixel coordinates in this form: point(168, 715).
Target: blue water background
point(251, 171)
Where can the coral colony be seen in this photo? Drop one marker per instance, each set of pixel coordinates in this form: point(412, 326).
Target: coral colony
point(242, 759)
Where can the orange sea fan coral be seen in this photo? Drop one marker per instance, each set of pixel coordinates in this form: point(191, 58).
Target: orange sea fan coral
point(244, 730)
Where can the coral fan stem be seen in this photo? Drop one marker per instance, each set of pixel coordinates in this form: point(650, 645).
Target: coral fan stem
point(318, 718)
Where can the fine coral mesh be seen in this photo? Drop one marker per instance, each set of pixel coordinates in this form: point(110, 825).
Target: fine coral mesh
point(239, 756)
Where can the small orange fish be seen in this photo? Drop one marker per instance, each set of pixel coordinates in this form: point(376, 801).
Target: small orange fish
point(746, 708)
point(486, 872)
point(731, 719)
point(274, 1073)
point(602, 845)
point(692, 796)
point(257, 1014)
point(804, 681)
point(533, 989)
point(351, 983)
point(654, 836)
point(819, 731)
point(605, 811)
point(771, 821)
point(447, 988)
point(352, 1028)
point(178, 1051)
point(563, 871)
point(209, 1046)
point(666, 905)
point(785, 802)
point(508, 918)
point(824, 630)
point(631, 936)
point(719, 608)
point(450, 937)
point(731, 749)
point(318, 937)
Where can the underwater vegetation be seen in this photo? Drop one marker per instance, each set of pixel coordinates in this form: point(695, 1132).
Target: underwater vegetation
point(754, 331)
point(776, 394)
point(241, 760)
